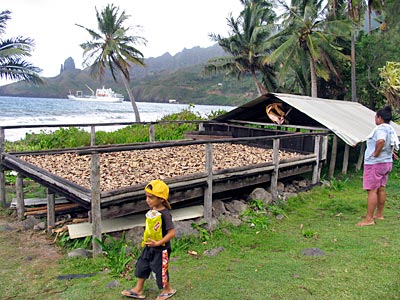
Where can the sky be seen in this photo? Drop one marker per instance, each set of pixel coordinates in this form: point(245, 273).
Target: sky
point(168, 25)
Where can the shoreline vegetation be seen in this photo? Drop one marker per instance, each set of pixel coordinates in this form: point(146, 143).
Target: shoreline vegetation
point(314, 252)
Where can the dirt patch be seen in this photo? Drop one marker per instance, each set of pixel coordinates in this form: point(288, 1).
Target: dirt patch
point(29, 245)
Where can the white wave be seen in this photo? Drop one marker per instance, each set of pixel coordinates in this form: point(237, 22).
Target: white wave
point(36, 111)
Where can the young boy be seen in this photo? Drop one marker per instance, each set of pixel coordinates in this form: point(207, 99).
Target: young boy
point(155, 255)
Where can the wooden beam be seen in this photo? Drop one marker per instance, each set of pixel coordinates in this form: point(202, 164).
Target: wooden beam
point(19, 186)
point(51, 213)
point(2, 171)
point(345, 159)
point(209, 187)
point(316, 169)
point(95, 203)
point(332, 163)
point(360, 157)
point(152, 133)
point(275, 172)
point(92, 135)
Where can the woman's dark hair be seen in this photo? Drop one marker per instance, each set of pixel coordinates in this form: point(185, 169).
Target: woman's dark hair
point(385, 113)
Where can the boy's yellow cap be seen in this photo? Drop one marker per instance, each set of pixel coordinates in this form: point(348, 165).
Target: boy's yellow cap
point(159, 189)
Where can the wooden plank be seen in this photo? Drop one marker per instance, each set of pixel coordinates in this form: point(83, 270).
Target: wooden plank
point(37, 201)
point(128, 222)
point(58, 208)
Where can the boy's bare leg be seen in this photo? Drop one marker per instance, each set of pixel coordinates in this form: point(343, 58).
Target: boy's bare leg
point(138, 289)
point(166, 291)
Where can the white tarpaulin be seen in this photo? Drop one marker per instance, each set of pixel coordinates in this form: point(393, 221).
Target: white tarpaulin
point(350, 121)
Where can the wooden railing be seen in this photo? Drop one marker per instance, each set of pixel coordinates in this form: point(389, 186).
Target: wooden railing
point(319, 153)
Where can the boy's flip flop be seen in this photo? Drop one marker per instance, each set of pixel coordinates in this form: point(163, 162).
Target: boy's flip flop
point(131, 294)
point(166, 295)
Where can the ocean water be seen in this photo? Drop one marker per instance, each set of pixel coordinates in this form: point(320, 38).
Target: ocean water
point(42, 111)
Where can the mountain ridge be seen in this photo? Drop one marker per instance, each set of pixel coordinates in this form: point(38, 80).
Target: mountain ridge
point(178, 76)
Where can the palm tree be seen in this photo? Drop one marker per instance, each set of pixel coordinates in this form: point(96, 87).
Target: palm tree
point(245, 45)
point(354, 10)
point(112, 48)
point(13, 51)
point(307, 29)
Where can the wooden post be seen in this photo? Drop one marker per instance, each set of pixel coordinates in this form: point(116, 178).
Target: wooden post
point(19, 186)
point(324, 148)
point(316, 169)
point(275, 173)
point(2, 173)
point(51, 213)
point(152, 133)
point(95, 203)
point(209, 189)
point(360, 157)
point(345, 159)
point(332, 163)
point(201, 126)
point(92, 135)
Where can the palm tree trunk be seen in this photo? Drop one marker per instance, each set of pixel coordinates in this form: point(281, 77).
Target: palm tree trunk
point(314, 82)
point(369, 19)
point(353, 69)
point(133, 102)
point(260, 87)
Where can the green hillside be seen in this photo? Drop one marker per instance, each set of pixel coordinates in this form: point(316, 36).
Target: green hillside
point(166, 77)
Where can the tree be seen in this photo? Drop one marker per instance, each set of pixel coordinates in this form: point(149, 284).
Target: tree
point(374, 50)
point(245, 44)
point(390, 83)
point(306, 29)
point(113, 48)
point(13, 52)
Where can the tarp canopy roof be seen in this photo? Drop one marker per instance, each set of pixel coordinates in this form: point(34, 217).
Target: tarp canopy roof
point(350, 121)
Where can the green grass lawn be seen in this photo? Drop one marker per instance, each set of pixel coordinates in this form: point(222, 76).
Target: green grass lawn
point(257, 263)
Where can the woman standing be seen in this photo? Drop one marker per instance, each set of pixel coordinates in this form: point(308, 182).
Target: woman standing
point(382, 146)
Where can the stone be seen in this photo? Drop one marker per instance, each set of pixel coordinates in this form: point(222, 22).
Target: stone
point(214, 251)
point(135, 235)
point(112, 284)
point(218, 208)
point(184, 228)
point(232, 220)
point(313, 252)
point(280, 186)
point(260, 194)
point(28, 223)
point(303, 183)
point(40, 226)
point(80, 252)
point(288, 195)
point(236, 206)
